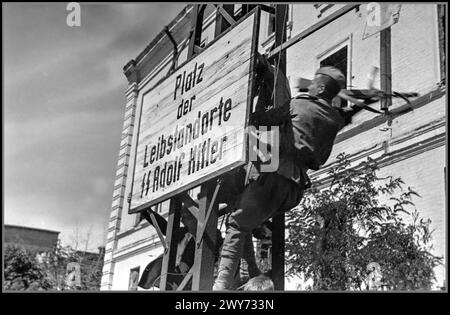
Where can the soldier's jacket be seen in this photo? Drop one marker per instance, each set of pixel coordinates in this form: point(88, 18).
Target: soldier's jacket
point(308, 128)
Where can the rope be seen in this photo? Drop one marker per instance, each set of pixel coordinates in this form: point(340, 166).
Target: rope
point(279, 58)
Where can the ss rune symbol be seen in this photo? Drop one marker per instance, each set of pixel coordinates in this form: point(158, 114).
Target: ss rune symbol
point(74, 17)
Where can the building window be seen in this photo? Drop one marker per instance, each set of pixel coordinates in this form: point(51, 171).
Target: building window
point(338, 59)
point(271, 25)
point(238, 10)
point(241, 10)
point(134, 279)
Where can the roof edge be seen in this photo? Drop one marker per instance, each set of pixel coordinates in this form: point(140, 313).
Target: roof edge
point(30, 228)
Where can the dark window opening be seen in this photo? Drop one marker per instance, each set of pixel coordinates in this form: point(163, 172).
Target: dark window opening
point(339, 60)
point(271, 26)
point(241, 10)
point(134, 279)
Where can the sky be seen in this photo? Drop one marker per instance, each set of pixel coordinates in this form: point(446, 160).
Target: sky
point(63, 107)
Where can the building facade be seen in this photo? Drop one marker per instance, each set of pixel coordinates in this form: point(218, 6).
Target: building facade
point(411, 144)
point(40, 240)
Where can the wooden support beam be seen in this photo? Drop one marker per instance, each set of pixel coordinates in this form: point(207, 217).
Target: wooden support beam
point(267, 8)
point(158, 230)
point(208, 213)
point(197, 27)
point(279, 225)
point(221, 22)
point(169, 257)
point(385, 67)
point(203, 268)
point(278, 249)
point(189, 204)
point(198, 49)
point(310, 30)
point(185, 281)
point(227, 13)
point(247, 8)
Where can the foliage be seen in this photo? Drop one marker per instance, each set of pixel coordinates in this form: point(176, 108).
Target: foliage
point(22, 272)
point(90, 267)
point(338, 231)
point(92, 272)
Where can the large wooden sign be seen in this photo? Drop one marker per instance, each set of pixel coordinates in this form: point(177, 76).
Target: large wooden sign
point(192, 125)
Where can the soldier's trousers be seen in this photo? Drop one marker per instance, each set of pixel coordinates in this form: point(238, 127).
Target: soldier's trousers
point(262, 199)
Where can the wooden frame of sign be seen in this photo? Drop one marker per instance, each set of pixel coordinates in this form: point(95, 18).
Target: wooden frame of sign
point(191, 125)
point(211, 91)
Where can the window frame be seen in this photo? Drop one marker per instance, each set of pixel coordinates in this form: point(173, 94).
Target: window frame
point(138, 269)
point(347, 41)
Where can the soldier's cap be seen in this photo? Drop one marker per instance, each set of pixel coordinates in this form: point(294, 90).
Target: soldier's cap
point(333, 73)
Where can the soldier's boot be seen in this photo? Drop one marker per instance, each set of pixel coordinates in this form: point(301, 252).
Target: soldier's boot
point(226, 278)
point(231, 254)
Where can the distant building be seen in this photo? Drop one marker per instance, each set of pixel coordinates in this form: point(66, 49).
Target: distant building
point(32, 238)
point(81, 269)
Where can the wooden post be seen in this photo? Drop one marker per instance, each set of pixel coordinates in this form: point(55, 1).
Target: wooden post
point(173, 224)
point(197, 25)
point(278, 233)
point(385, 67)
point(203, 268)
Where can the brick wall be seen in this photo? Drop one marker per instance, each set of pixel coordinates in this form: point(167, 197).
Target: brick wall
point(425, 174)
